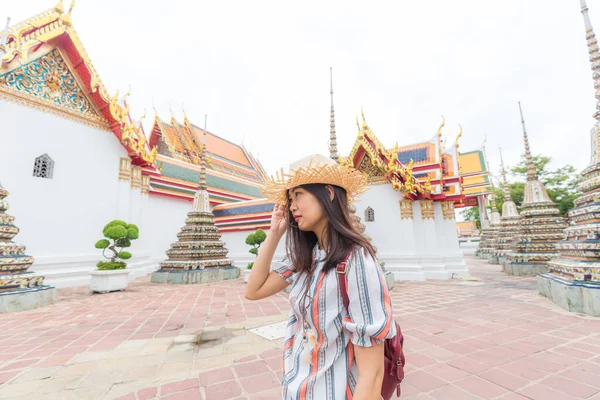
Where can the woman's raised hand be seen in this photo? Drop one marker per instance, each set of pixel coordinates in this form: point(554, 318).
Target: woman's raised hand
point(278, 221)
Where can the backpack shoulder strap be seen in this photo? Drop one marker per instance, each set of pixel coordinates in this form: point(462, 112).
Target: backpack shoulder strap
point(340, 269)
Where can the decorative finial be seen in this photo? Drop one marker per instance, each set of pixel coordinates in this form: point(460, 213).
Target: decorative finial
point(439, 132)
point(154, 108)
point(59, 7)
point(185, 118)
point(594, 52)
point(362, 113)
point(531, 174)
point(67, 18)
point(172, 114)
point(505, 182)
point(333, 151)
point(459, 135)
point(357, 123)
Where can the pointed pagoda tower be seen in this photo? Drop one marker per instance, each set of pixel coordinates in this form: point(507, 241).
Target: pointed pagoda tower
point(20, 289)
point(573, 280)
point(487, 245)
point(509, 224)
point(541, 225)
point(489, 226)
point(199, 256)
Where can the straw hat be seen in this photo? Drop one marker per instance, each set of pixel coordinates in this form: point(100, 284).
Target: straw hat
point(315, 169)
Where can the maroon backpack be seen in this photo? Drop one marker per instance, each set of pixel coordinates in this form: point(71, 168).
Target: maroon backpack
point(394, 360)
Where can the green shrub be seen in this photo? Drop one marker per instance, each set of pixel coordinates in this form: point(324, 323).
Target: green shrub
point(119, 235)
point(102, 244)
point(110, 265)
point(255, 240)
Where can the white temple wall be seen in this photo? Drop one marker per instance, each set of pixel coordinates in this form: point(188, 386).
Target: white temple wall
point(163, 220)
point(61, 218)
point(393, 236)
point(448, 243)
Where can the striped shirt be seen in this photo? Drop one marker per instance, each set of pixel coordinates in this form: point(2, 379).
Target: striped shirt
point(325, 368)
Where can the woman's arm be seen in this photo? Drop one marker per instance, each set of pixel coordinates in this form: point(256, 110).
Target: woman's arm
point(369, 362)
point(262, 281)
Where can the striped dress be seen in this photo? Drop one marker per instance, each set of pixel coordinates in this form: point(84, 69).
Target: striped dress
point(328, 370)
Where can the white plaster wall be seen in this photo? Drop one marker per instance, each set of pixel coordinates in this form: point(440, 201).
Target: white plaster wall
point(238, 249)
point(394, 237)
point(163, 220)
point(60, 218)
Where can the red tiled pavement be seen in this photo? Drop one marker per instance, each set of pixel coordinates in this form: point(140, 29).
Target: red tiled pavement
point(497, 339)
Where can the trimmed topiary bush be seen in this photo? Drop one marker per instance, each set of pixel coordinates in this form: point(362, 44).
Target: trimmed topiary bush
point(119, 235)
point(255, 240)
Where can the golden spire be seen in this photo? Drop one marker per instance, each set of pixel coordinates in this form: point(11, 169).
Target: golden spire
point(362, 113)
point(357, 123)
point(531, 174)
point(505, 182)
point(594, 54)
point(333, 151)
point(202, 180)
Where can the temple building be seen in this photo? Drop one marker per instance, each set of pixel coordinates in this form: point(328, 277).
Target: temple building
point(509, 225)
point(541, 226)
point(75, 159)
point(573, 280)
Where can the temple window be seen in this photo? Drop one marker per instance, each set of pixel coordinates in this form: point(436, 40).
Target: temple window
point(369, 215)
point(43, 167)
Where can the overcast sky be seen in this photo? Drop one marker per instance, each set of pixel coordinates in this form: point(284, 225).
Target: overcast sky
point(260, 69)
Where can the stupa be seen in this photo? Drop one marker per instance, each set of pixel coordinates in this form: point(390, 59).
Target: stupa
point(20, 289)
point(573, 280)
point(487, 244)
point(509, 224)
point(540, 227)
point(489, 223)
point(199, 256)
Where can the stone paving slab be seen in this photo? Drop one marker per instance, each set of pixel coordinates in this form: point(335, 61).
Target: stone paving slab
point(497, 339)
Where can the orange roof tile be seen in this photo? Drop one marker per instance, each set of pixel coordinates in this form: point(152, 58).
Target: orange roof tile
point(222, 148)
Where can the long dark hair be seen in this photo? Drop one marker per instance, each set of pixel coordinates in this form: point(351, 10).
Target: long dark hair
point(342, 237)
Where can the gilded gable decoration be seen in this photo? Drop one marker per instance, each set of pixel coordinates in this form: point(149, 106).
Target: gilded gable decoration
point(48, 82)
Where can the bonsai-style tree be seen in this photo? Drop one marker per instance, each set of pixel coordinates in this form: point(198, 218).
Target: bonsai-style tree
point(255, 240)
point(119, 235)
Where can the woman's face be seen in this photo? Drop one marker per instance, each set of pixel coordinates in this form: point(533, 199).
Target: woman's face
point(306, 209)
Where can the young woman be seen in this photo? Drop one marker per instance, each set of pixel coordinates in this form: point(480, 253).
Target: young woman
point(330, 353)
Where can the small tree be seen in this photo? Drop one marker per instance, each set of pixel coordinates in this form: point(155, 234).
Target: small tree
point(121, 234)
point(255, 240)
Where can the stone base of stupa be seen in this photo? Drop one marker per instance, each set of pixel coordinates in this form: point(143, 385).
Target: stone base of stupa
point(574, 296)
point(524, 269)
point(27, 299)
point(493, 259)
point(198, 276)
